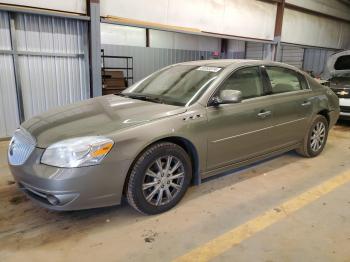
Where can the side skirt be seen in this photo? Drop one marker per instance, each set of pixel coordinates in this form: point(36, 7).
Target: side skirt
point(247, 162)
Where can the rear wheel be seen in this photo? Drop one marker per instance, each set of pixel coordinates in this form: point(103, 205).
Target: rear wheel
point(159, 178)
point(316, 138)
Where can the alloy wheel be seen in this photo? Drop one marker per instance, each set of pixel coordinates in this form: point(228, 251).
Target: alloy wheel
point(163, 180)
point(318, 136)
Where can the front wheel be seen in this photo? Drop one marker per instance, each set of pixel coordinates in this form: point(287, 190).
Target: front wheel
point(159, 178)
point(316, 137)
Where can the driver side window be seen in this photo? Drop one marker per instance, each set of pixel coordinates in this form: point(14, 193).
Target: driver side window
point(246, 80)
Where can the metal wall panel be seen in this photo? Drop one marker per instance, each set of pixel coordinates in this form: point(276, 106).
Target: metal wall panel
point(315, 59)
point(321, 31)
point(339, 9)
point(49, 34)
point(48, 82)
point(53, 67)
point(122, 35)
point(217, 16)
point(75, 6)
point(235, 49)
point(149, 60)
point(259, 51)
point(8, 100)
point(255, 51)
point(5, 38)
point(292, 55)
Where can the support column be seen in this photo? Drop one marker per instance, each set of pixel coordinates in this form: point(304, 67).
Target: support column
point(93, 10)
point(147, 38)
point(16, 68)
point(276, 51)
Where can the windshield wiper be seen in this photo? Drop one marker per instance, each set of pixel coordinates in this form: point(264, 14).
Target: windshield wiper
point(145, 98)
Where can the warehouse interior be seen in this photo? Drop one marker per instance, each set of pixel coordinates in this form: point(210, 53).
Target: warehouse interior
point(285, 208)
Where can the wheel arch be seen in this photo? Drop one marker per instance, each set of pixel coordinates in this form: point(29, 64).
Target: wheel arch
point(325, 113)
point(185, 144)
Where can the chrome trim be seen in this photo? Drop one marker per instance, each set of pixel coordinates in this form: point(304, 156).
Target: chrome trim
point(301, 91)
point(256, 131)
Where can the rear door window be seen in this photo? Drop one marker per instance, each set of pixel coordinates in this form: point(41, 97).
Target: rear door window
point(283, 80)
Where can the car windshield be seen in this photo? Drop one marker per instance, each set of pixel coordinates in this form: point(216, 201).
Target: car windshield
point(176, 85)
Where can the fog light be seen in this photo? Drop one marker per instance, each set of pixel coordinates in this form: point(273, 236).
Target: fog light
point(53, 200)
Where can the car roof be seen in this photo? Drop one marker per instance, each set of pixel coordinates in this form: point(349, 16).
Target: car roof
point(235, 62)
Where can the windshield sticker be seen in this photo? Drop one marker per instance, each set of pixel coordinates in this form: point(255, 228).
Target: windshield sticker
point(209, 69)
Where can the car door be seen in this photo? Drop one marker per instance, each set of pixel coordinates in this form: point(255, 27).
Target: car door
point(241, 130)
point(291, 101)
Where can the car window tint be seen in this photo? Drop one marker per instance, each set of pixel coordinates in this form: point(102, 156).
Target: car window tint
point(283, 80)
point(246, 80)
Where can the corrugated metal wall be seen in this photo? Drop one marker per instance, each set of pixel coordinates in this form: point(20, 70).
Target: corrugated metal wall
point(255, 51)
point(258, 51)
point(148, 60)
point(292, 55)
point(8, 101)
point(57, 76)
point(315, 59)
point(5, 40)
point(52, 67)
point(235, 49)
point(9, 120)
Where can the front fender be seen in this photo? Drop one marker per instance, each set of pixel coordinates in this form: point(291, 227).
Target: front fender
point(129, 143)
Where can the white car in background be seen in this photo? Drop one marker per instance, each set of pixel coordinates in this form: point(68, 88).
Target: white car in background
point(337, 72)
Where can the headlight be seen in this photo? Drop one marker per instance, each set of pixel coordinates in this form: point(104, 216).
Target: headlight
point(77, 152)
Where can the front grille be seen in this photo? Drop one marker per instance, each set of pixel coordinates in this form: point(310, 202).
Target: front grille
point(342, 92)
point(345, 109)
point(21, 147)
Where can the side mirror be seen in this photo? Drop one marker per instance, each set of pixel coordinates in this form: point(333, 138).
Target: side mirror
point(227, 97)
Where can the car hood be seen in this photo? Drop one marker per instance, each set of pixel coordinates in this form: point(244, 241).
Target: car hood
point(96, 116)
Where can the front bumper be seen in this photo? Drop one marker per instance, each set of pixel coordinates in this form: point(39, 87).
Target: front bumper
point(71, 188)
point(344, 107)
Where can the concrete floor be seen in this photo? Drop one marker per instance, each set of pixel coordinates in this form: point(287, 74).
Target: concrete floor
point(320, 231)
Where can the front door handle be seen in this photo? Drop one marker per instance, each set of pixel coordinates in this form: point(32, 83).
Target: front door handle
point(264, 114)
point(306, 103)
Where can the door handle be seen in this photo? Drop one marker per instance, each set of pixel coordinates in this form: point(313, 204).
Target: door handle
point(264, 114)
point(306, 103)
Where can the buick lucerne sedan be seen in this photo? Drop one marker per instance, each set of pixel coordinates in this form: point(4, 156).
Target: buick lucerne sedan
point(175, 127)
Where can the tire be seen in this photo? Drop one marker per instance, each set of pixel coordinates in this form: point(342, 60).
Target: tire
point(308, 147)
point(162, 168)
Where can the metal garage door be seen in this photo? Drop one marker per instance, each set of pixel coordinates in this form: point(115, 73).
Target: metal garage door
point(8, 100)
point(292, 55)
point(46, 58)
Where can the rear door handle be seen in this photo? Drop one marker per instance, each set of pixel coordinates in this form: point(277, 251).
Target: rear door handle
point(306, 103)
point(264, 114)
